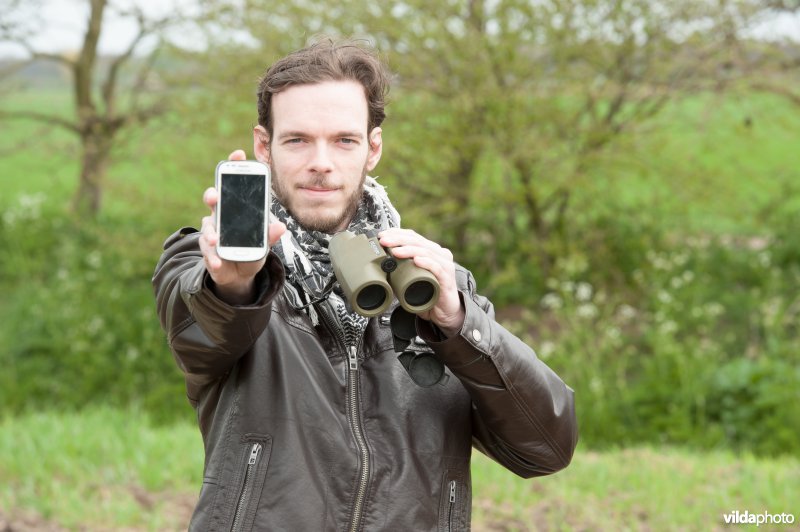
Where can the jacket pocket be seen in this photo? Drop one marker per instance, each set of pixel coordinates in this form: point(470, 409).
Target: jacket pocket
point(254, 458)
point(454, 503)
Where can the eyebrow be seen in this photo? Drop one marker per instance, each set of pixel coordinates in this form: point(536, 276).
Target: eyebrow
point(292, 134)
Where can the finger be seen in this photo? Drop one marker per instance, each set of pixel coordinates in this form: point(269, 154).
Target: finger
point(211, 197)
point(208, 245)
point(396, 236)
point(432, 265)
point(237, 155)
point(402, 237)
point(209, 232)
point(276, 231)
point(411, 251)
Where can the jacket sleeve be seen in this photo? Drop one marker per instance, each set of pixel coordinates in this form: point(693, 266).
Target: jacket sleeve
point(206, 335)
point(523, 413)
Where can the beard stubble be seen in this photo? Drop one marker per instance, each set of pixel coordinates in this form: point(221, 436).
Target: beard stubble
point(310, 220)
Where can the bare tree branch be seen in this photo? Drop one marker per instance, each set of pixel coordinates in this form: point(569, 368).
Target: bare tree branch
point(96, 126)
point(782, 91)
point(109, 87)
point(41, 117)
point(139, 85)
point(84, 66)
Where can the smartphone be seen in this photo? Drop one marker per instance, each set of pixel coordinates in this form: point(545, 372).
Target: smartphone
point(242, 212)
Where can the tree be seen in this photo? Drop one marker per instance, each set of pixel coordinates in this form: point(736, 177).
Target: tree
point(520, 98)
point(502, 108)
point(103, 104)
point(772, 67)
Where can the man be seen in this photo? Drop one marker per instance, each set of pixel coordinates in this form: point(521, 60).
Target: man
point(309, 420)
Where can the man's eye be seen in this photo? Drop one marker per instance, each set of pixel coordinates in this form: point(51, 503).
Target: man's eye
point(345, 140)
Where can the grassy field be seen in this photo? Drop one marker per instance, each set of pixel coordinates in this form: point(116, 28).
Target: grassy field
point(107, 469)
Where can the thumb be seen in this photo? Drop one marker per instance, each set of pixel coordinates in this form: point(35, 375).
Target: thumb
point(276, 231)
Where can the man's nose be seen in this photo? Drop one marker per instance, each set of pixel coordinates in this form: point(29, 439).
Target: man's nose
point(321, 158)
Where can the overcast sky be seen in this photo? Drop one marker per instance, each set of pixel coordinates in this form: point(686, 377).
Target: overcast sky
point(63, 23)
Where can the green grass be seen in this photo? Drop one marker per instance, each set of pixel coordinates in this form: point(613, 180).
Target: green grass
point(640, 488)
point(708, 163)
point(114, 469)
point(104, 469)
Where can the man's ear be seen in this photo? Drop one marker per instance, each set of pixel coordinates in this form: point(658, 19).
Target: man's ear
point(375, 148)
point(261, 144)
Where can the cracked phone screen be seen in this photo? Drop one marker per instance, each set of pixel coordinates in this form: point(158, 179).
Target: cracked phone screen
point(241, 212)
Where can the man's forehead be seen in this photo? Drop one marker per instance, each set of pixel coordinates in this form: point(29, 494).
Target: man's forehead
point(338, 104)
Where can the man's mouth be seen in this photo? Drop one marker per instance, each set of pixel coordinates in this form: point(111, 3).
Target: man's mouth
point(313, 190)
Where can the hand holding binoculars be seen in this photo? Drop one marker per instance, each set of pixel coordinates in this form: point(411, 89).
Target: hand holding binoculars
point(369, 275)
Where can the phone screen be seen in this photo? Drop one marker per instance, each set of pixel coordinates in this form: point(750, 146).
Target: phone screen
point(242, 210)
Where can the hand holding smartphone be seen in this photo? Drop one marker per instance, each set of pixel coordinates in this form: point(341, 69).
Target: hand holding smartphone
point(242, 210)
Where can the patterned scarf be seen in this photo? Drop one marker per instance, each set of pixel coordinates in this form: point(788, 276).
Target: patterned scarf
point(304, 253)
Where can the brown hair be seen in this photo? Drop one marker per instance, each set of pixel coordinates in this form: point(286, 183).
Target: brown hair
point(322, 61)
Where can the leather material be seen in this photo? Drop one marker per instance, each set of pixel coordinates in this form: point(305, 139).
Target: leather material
point(267, 383)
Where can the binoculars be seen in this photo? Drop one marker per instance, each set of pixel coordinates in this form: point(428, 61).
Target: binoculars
point(369, 275)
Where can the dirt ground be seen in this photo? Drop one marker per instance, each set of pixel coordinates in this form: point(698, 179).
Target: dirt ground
point(176, 508)
point(179, 510)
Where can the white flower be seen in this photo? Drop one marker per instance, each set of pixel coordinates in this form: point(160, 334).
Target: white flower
point(546, 349)
point(552, 300)
point(95, 325)
point(668, 327)
point(583, 292)
point(132, 352)
point(714, 309)
point(587, 310)
point(94, 259)
point(626, 312)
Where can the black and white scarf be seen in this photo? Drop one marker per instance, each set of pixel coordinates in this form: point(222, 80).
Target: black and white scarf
point(304, 253)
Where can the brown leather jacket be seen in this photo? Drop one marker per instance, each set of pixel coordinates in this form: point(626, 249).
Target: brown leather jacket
point(300, 437)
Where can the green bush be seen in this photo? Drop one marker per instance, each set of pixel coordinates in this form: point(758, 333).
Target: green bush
point(79, 323)
point(754, 404)
point(695, 344)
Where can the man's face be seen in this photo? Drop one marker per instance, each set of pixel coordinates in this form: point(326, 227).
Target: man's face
point(320, 152)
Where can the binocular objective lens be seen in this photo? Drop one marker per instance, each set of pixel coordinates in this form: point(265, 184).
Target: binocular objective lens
point(419, 293)
point(371, 297)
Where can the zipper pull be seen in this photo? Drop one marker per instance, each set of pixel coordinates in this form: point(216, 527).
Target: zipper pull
point(254, 453)
point(353, 358)
point(452, 491)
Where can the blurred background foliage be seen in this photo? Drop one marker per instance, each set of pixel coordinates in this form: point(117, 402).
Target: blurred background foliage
point(621, 177)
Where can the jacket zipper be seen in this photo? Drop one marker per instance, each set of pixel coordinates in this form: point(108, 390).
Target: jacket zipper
point(452, 505)
point(241, 506)
point(355, 419)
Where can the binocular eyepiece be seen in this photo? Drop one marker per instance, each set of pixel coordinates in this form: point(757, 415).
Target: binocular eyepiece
point(369, 275)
